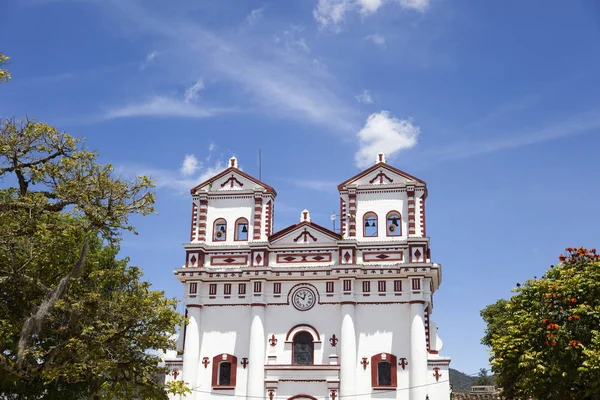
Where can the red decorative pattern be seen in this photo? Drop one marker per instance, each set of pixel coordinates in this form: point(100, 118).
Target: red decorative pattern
point(380, 176)
point(436, 374)
point(232, 179)
point(305, 236)
point(303, 258)
point(229, 260)
point(378, 256)
point(403, 363)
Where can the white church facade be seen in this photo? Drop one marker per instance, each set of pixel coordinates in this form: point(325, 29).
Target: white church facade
point(306, 312)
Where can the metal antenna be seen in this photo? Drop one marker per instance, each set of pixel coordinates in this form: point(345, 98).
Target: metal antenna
point(260, 164)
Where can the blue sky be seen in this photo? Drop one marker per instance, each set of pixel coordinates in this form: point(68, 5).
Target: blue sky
point(494, 104)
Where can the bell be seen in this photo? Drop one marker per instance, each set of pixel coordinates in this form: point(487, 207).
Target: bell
point(367, 224)
point(244, 228)
point(222, 228)
point(395, 221)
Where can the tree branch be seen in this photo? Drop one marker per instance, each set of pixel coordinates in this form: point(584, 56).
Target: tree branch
point(33, 325)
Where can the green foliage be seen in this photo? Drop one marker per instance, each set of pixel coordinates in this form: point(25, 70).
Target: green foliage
point(545, 340)
point(75, 321)
point(4, 74)
point(483, 379)
point(460, 381)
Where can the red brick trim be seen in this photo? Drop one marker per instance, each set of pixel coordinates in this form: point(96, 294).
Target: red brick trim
point(194, 221)
point(367, 215)
point(235, 228)
point(257, 223)
point(201, 235)
point(216, 361)
point(387, 217)
point(375, 360)
point(422, 220)
point(352, 211)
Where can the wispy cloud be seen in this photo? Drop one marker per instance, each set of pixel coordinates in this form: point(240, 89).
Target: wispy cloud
point(384, 133)
point(266, 79)
point(254, 16)
point(191, 173)
point(149, 60)
point(584, 123)
point(365, 97)
point(191, 93)
point(376, 39)
point(162, 106)
point(331, 13)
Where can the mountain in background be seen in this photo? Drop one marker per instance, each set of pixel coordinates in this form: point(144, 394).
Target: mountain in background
point(461, 382)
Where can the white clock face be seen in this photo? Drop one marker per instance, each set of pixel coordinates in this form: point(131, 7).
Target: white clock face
point(303, 299)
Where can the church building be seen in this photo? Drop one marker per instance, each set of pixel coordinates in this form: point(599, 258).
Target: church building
point(308, 312)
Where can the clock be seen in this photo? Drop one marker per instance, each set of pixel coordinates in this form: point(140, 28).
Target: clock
point(303, 299)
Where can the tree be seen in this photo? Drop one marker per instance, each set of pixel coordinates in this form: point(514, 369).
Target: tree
point(4, 74)
point(545, 340)
point(483, 379)
point(75, 321)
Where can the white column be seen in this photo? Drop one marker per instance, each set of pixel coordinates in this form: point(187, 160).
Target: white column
point(417, 366)
point(191, 352)
point(256, 354)
point(348, 352)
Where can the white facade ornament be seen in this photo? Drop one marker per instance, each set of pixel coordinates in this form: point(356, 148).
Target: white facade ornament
point(305, 216)
point(309, 312)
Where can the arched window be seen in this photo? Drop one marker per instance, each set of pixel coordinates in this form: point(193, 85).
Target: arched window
point(220, 230)
point(383, 371)
point(241, 229)
point(370, 224)
point(224, 371)
point(394, 223)
point(303, 348)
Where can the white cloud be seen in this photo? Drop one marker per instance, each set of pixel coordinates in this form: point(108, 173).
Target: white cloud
point(384, 133)
point(191, 93)
point(265, 78)
point(254, 16)
point(377, 39)
point(162, 106)
point(293, 41)
point(174, 179)
point(365, 97)
point(331, 13)
point(189, 165)
point(149, 60)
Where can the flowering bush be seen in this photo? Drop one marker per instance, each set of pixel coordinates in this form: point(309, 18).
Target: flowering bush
point(545, 340)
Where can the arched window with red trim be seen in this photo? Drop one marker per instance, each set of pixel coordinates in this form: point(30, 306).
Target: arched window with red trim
point(224, 372)
point(370, 224)
point(220, 230)
point(394, 224)
point(241, 229)
point(303, 348)
point(383, 371)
